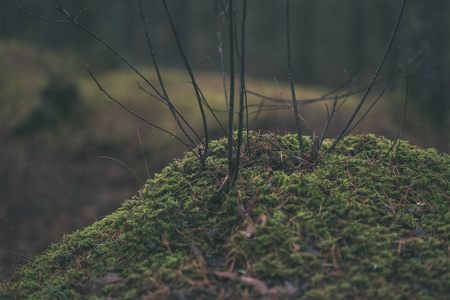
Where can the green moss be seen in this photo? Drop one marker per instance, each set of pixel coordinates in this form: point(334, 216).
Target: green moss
point(362, 222)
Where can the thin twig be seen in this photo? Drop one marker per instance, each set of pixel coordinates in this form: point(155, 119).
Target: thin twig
point(369, 88)
point(212, 111)
point(150, 94)
point(378, 98)
point(200, 62)
point(242, 94)
point(175, 113)
point(190, 147)
point(124, 165)
point(289, 104)
point(41, 17)
point(404, 111)
point(231, 108)
point(220, 20)
point(291, 80)
point(324, 97)
point(73, 19)
point(332, 94)
point(400, 132)
point(143, 154)
point(330, 116)
point(204, 152)
point(87, 30)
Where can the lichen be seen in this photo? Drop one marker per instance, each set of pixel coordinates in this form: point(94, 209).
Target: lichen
point(361, 222)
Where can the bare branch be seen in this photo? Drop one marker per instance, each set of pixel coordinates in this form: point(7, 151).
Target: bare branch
point(289, 104)
point(190, 147)
point(324, 97)
point(75, 15)
point(175, 113)
point(191, 74)
point(330, 116)
point(200, 62)
point(231, 108)
point(41, 17)
point(369, 88)
point(220, 21)
point(242, 94)
point(212, 110)
point(291, 81)
point(151, 95)
point(378, 98)
point(399, 136)
point(123, 165)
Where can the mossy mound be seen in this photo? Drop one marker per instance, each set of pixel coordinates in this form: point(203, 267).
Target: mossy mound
point(362, 222)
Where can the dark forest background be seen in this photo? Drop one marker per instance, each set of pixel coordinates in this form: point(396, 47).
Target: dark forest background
point(51, 180)
point(331, 37)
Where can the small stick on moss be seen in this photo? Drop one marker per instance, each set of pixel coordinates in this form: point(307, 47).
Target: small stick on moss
point(330, 116)
point(242, 94)
point(231, 108)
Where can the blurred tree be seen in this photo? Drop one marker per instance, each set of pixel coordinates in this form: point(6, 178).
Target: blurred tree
point(355, 34)
point(60, 101)
point(306, 70)
point(431, 27)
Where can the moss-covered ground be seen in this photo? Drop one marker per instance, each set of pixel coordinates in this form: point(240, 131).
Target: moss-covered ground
point(362, 222)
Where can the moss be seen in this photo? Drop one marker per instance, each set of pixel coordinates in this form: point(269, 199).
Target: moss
point(362, 222)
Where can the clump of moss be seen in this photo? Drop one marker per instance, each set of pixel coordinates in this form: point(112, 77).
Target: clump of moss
point(363, 222)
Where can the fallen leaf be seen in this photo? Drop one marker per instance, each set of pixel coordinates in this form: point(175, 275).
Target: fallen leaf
point(259, 285)
point(248, 232)
point(262, 220)
point(225, 274)
point(405, 240)
point(287, 290)
point(96, 283)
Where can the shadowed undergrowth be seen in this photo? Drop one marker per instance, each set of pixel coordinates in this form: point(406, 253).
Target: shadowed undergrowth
point(361, 222)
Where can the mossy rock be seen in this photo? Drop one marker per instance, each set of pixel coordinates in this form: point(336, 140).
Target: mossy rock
point(362, 222)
